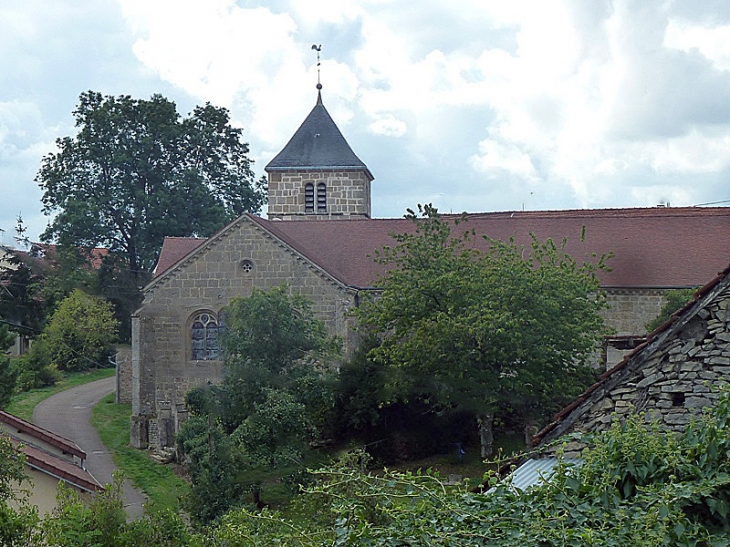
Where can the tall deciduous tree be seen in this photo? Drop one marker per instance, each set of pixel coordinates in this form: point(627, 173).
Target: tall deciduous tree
point(480, 331)
point(137, 172)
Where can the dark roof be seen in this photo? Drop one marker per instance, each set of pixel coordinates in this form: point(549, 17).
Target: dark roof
point(317, 144)
point(653, 247)
point(631, 362)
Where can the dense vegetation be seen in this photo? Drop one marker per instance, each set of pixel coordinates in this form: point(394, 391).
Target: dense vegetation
point(482, 332)
point(275, 399)
point(638, 485)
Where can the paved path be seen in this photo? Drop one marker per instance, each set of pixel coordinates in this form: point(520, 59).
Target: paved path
point(68, 413)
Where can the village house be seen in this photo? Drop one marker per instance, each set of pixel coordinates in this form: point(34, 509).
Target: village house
point(319, 240)
point(49, 459)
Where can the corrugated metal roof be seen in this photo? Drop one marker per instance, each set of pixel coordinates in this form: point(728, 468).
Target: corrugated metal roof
point(536, 471)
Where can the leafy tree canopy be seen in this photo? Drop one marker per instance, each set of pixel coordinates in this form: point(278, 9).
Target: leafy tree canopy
point(276, 393)
point(137, 172)
point(22, 306)
point(480, 330)
point(80, 334)
point(673, 300)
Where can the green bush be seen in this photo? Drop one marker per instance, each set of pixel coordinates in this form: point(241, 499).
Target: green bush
point(34, 369)
point(81, 333)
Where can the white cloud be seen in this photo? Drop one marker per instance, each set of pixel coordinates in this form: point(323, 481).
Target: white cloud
point(495, 158)
point(713, 42)
point(566, 102)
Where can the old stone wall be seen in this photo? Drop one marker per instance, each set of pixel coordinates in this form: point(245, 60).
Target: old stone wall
point(124, 375)
point(672, 384)
point(241, 259)
point(348, 194)
point(631, 309)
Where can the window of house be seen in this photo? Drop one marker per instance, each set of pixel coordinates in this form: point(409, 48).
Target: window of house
point(309, 197)
point(321, 197)
point(204, 333)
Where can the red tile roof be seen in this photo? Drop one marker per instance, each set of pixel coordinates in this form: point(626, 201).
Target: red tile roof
point(63, 444)
point(58, 467)
point(653, 247)
point(47, 462)
point(173, 250)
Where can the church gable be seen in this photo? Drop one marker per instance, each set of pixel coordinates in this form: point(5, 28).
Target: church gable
point(175, 331)
point(670, 378)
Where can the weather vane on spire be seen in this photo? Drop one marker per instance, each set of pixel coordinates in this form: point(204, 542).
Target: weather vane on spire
point(318, 48)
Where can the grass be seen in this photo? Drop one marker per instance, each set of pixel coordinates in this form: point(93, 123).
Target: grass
point(159, 482)
point(22, 404)
point(471, 466)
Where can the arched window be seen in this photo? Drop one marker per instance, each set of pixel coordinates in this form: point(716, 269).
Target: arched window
point(309, 198)
point(321, 197)
point(204, 332)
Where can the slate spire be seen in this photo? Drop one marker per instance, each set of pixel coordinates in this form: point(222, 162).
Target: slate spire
point(317, 144)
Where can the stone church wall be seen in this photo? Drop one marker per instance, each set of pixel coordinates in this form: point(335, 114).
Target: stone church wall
point(241, 259)
point(631, 309)
point(124, 375)
point(628, 312)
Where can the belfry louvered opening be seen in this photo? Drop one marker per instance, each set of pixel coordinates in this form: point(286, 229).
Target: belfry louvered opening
point(321, 197)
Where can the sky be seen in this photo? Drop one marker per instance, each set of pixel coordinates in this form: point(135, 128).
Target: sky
point(471, 105)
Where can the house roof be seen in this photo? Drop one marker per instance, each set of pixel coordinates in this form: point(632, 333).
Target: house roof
point(52, 464)
point(23, 426)
point(58, 467)
point(173, 250)
point(317, 144)
point(653, 247)
point(631, 362)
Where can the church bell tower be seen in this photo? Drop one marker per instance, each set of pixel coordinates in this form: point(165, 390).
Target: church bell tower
point(317, 175)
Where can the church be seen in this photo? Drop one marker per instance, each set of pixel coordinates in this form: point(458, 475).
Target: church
point(320, 238)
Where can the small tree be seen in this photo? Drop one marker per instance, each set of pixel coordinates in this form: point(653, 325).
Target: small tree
point(479, 331)
point(275, 394)
point(673, 300)
point(81, 332)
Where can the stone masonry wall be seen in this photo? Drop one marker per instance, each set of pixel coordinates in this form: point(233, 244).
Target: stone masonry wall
point(124, 375)
point(242, 258)
point(676, 382)
point(348, 194)
point(631, 309)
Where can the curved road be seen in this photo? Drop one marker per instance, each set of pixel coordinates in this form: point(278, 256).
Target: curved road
point(68, 413)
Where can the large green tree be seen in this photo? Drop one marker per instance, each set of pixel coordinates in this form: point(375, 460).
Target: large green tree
point(275, 397)
point(137, 172)
point(482, 331)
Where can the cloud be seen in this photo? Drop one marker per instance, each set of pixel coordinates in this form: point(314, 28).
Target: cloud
point(564, 103)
